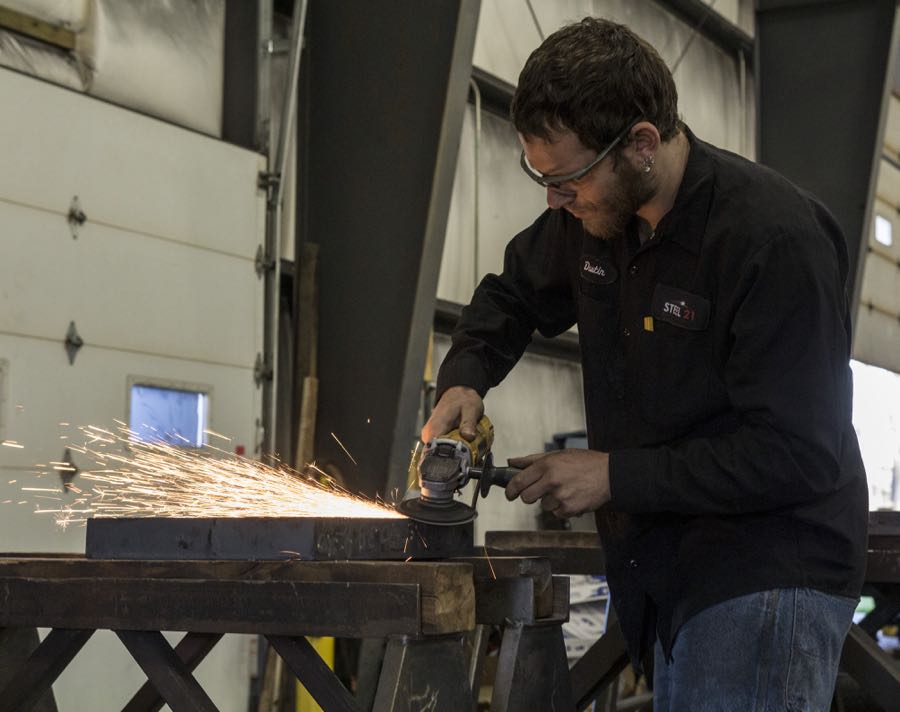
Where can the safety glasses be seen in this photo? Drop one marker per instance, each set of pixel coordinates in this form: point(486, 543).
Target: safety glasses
point(549, 181)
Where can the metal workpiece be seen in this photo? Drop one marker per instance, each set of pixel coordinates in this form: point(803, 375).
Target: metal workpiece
point(273, 538)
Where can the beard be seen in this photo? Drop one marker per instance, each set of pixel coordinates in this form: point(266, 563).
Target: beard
point(608, 217)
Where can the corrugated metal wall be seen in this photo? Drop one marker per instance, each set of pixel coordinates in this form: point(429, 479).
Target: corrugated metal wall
point(877, 335)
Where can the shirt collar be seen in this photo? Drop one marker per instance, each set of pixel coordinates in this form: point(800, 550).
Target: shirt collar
point(685, 223)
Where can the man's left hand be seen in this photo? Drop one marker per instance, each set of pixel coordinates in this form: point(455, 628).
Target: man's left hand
point(568, 482)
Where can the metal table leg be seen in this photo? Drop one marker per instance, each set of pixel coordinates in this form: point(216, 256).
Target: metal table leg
point(429, 673)
point(166, 671)
point(599, 668)
point(871, 667)
point(43, 666)
point(533, 672)
point(191, 650)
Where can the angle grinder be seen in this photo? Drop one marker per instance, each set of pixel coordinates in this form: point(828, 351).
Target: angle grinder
point(444, 467)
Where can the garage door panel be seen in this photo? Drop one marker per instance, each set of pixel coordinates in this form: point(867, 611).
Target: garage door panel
point(126, 291)
point(42, 390)
point(127, 170)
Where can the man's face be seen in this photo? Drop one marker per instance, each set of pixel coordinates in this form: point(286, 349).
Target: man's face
point(605, 198)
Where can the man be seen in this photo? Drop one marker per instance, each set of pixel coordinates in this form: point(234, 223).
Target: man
point(710, 300)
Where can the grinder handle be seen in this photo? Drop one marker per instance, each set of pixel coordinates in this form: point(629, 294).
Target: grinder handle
point(502, 475)
point(499, 476)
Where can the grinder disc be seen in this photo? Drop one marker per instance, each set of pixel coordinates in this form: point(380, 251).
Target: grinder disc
point(443, 514)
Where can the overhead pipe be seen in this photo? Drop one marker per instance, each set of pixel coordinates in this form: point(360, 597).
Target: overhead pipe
point(272, 251)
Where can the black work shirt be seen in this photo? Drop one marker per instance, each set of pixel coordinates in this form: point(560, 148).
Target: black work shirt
point(715, 359)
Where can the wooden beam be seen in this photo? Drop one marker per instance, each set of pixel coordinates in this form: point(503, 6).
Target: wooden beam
point(166, 671)
point(42, 667)
point(274, 607)
point(191, 650)
point(316, 676)
point(353, 599)
point(37, 29)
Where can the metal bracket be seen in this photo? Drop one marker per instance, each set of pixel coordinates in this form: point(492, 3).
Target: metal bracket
point(70, 473)
point(76, 217)
point(268, 182)
point(276, 46)
point(262, 262)
point(262, 371)
point(73, 342)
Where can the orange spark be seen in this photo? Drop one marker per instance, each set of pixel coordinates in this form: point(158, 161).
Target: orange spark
point(217, 435)
point(140, 479)
point(344, 449)
point(493, 575)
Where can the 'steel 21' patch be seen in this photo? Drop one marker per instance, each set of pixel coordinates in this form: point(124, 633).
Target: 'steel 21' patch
point(675, 306)
point(598, 270)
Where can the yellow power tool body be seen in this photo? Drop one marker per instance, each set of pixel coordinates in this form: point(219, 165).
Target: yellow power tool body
point(446, 465)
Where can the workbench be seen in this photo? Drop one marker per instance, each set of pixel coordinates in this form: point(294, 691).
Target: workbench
point(426, 610)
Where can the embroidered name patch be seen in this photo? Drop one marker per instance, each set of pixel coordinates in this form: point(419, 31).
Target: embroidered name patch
point(598, 270)
point(675, 306)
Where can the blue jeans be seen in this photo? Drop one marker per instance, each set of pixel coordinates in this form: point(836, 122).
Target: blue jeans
point(771, 651)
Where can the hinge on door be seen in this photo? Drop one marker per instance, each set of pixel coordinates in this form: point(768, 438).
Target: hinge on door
point(67, 472)
point(73, 342)
point(76, 217)
point(268, 182)
point(263, 262)
point(262, 371)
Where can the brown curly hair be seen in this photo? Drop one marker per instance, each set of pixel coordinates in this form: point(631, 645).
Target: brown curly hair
point(593, 78)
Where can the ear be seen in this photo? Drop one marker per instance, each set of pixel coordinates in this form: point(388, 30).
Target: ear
point(644, 140)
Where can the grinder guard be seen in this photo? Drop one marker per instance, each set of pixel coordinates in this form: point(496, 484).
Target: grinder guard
point(445, 467)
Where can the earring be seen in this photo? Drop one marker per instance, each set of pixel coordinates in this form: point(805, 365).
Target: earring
point(648, 164)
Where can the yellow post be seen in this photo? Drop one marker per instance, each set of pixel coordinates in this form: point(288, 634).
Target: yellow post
point(325, 648)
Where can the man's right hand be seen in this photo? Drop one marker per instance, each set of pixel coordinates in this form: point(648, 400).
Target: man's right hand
point(460, 407)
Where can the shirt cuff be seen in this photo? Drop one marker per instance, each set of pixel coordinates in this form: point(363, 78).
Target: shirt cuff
point(633, 479)
point(463, 370)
